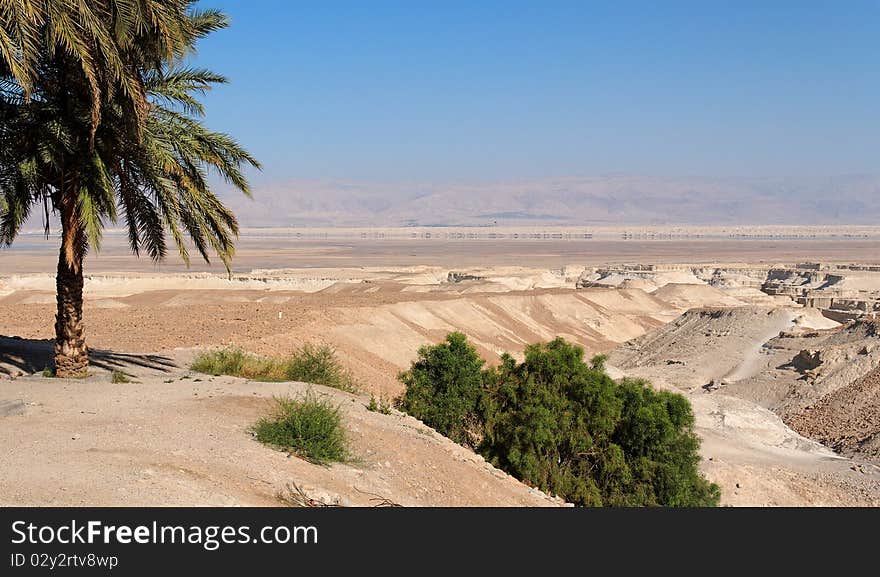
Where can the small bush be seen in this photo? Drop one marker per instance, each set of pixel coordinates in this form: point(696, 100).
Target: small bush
point(563, 425)
point(309, 364)
point(382, 405)
point(318, 364)
point(310, 427)
point(118, 377)
point(443, 389)
point(230, 361)
point(49, 373)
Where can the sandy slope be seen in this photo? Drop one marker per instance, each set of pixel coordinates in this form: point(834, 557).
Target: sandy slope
point(376, 321)
point(186, 442)
point(174, 440)
point(758, 460)
point(748, 447)
point(847, 419)
point(705, 344)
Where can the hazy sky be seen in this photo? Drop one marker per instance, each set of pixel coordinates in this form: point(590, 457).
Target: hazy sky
point(487, 90)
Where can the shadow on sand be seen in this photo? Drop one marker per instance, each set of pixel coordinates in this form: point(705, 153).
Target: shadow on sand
point(32, 356)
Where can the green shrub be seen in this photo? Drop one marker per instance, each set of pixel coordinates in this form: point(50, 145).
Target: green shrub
point(656, 432)
point(118, 377)
point(309, 364)
point(564, 426)
point(318, 364)
point(549, 421)
point(382, 405)
point(567, 427)
point(229, 361)
point(443, 389)
point(310, 427)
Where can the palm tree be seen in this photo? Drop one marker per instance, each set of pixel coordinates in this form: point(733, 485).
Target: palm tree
point(101, 36)
point(89, 141)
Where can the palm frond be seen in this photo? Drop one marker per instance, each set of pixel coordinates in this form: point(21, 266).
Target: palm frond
point(130, 142)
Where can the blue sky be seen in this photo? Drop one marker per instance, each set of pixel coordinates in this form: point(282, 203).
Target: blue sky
point(490, 90)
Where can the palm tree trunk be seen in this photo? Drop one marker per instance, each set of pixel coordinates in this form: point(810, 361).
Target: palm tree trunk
point(71, 353)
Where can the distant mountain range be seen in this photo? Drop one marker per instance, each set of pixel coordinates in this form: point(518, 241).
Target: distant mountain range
point(567, 201)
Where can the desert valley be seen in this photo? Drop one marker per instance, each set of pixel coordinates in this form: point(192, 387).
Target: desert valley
point(293, 283)
point(771, 333)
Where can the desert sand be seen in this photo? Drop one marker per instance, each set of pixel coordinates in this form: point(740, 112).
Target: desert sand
point(777, 357)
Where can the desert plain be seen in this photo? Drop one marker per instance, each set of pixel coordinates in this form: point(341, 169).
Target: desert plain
point(771, 333)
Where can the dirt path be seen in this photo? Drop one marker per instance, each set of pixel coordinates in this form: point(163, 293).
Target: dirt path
point(754, 359)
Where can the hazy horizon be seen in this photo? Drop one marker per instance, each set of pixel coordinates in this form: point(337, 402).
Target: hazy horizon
point(598, 200)
point(562, 112)
point(609, 200)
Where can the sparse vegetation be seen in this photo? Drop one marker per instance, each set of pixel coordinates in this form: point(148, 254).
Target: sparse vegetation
point(309, 427)
point(317, 364)
point(320, 365)
point(563, 425)
point(49, 373)
point(381, 405)
point(118, 377)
